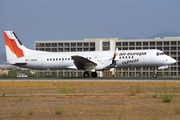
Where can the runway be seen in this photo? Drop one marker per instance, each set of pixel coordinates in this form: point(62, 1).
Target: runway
point(99, 79)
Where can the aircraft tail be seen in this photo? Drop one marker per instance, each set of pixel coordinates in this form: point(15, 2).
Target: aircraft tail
point(13, 46)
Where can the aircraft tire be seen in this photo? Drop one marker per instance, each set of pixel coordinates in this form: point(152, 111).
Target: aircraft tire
point(154, 75)
point(86, 74)
point(94, 74)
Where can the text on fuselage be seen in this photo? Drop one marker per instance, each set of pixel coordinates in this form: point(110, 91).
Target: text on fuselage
point(132, 53)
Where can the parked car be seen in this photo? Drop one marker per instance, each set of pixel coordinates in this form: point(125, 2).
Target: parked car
point(22, 75)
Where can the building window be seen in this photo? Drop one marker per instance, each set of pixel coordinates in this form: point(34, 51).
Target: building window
point(41, 44)
point(92, 49)
point(106, 48)
point(60, 44)
point(138, 43)
point(41, 49)
point(125, 48)
point(145, 48)
point(159, 43)
point(92, 44)
point(54, 44)
point(152, 43)
point(86, 44)
point(166, 43)
point(73, 44)
point(79, 44)
point(54, 49)
point(73, 49)
point(166, 48)
point(86, 49)
point(118, 43)
point(66, 49)
point(138, 48)
point(37, 44)
point(79, 49)
point(48, 49)
point(159, 48)
point(173, 53)
point(106, 43)
point(173, 42)
point(60, 49)
point(173, 48)
point(131, 44)
point(48, 44)
point(66, 44)
point(145, 43)
point(125, 43)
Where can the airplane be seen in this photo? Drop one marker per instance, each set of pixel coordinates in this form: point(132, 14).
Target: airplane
point(17, 54)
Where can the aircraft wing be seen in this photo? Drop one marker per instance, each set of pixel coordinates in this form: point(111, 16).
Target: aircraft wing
point(83, 63)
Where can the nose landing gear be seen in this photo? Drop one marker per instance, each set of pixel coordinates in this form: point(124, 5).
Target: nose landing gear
point(155, 74)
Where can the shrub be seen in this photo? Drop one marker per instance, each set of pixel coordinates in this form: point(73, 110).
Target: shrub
point(166, 97)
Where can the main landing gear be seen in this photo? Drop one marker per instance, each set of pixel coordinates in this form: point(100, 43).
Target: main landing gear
point(93, 74)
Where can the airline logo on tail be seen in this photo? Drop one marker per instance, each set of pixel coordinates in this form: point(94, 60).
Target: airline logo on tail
point(13, 43)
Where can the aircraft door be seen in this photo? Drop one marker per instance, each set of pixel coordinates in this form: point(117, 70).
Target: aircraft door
point(39, 62)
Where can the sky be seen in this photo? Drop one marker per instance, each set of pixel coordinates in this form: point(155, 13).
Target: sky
point(34, 20)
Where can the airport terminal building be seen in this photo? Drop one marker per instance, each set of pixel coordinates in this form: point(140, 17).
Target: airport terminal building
point(170, 46)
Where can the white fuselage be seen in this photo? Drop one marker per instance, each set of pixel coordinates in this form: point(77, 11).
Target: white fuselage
point(103, 59)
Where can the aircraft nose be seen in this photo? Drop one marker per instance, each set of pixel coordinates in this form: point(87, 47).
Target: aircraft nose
point(172, 61)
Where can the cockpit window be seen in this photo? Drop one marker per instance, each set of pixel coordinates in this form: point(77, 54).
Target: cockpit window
point(159, 53)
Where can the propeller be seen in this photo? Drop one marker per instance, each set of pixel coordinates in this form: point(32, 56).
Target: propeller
point(113, 59)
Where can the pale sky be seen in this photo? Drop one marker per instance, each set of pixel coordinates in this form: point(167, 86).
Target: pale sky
point(34, 20)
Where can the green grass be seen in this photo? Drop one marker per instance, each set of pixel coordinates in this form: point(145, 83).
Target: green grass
point(19, 112)
point(58, 110)
point(135, 90)
point(12, 91)
point(65, 90)
point(3, 95)
point(31, 112)
point(166, 96)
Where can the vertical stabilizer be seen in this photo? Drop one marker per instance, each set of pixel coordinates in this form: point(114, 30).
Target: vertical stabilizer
point(13, 46)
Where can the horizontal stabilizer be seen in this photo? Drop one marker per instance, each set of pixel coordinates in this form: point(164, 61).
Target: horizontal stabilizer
point(19, 64)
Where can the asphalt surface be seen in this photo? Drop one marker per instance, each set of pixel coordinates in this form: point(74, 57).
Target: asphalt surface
point(108, 79)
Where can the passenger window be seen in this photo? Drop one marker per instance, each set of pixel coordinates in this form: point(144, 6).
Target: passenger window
point(62, 58)
point(53, 59)
point(129, 57)
point(68, 58)
point(119, 57)
point(56, 59)
point(89, 57)
point(50, 59)
point(65, 58)
point(126, 57)
point(47, 59)
point(59, 59)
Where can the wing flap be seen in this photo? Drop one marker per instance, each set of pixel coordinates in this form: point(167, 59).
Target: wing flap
point(83, 63)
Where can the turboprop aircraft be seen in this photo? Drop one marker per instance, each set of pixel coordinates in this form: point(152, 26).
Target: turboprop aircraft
point(17, 54)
